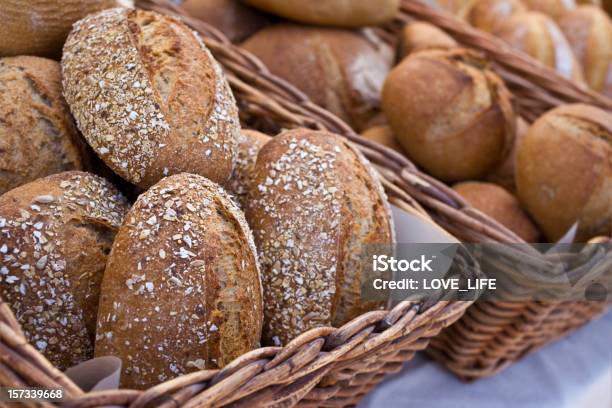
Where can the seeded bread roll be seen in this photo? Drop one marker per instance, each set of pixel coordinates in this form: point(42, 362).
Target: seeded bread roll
point(316, 208)
point(589, 32)
point(39, 27)
point(148, 97)
point(341, 70)
point(249, 144)
point(342, 13)
point(181, 291)
point(37, 134)
point(564, 171)
point(418, 36)
point(540, 37)
point(236, 20)
point(452, 114)
point(500, 205)
point(488, 14)
point(55, 236)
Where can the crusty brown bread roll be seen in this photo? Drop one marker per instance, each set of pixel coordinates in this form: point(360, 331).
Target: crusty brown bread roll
point(552, 8)
point(384, 135)
point(504, 174)
point(181, 291)
point(419, 35)
point(249, 144)
point(55, 236)
point(450, 112)
point(233, 18)
point(500, 205)
point(564, 171)
point(315, 207)
point(149, 97)
point(40, 27)
point(540, 37)
point(452, 6)
point(488, 14)
point(341, 13)
point(589, 32)
point(37, 134)
point(341, 70)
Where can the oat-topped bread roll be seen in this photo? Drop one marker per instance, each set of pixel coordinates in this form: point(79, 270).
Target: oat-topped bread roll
point(233, 18)
point(540, 37)
point(316, 208)
point(341, 70)
point(37, 134)
point(419, 35)
point(589, 32)
point(249, 144)
point(55, 236)
point(488, 14)
point(149, 97)
point(40, 27)
point(452, 114)
point(564, 171)
point(181, 291)
point(341, 13)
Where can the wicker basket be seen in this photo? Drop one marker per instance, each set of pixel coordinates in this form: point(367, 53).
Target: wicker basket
point(324, 366)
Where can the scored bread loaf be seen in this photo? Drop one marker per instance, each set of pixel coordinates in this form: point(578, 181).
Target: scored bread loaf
point(340, 70)
point(55, 236)
point(37, 134)
point(181, 290)
point(149, 97)
point(316, 208)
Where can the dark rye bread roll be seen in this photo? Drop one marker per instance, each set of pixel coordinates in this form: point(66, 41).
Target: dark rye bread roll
point(37, 134)
point(181, 291)
point(149, 97)
point(316, 207)
point(55, 236)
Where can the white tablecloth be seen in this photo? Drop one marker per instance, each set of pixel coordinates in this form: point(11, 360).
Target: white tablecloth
point(575, 372)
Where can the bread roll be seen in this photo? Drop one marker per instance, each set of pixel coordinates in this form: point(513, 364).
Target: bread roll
point(340, 70)
point(40, 27)
point(316, 207)
point(37, 134)
point(564, 171)
point(341, 13)
point(589, 32)
point(148, 97)
point(488, 14)
point(452, 6)
point(181, 291)
point(538, 36)
point(249, 144)
point(450, 112)
point(55, 235)
point(500, 205)
point(504, 174)
point(419, 35)
point(384, 135)
point(236, 20)
point(552, 8)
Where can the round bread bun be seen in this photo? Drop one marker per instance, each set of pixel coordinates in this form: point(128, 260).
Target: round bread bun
point(452, 6)
point(316, 208)
point(249, 144)
point(589, 32)
point(540, 37)
point(37, 134)
point(40, 27)
point(340, 70)
point(504, 174)
point(149, 97)
point(341, 13)
point(384, 135)
point(499, 204)
point(564, 171)
point(236, 20)
point(450, 112)
point(181, 290)
point(488, 14)
point(55, 236)
point(552, 8)
point(419, 35)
